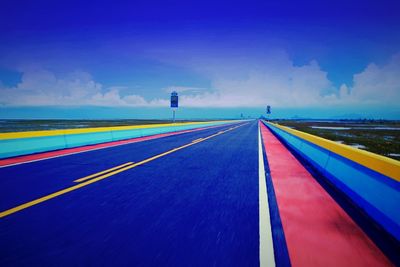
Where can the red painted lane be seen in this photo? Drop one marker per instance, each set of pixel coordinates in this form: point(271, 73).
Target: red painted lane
point(68, 151)
point(318, 231)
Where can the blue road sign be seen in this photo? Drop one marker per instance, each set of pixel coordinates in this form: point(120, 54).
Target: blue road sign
point(268, 109)
point(174, 100)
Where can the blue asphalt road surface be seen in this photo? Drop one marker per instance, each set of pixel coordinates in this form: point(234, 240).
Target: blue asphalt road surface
point(197, 206)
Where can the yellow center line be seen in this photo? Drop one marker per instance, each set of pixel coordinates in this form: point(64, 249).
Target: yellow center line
point(102, 172)
point(101, 177)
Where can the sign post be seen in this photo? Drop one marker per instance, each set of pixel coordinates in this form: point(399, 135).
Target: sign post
point(268, 111)
point(174, 104)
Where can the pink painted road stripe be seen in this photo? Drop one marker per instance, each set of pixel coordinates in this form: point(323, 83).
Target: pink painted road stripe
point(69, 151)
point(318, 231)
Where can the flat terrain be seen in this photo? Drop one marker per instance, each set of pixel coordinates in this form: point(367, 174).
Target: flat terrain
point(381, 137)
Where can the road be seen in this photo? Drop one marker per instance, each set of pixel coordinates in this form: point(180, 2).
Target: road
point(230, 195)
point(194, 206)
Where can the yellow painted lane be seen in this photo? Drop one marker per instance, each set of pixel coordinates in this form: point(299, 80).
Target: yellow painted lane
point(102, 172)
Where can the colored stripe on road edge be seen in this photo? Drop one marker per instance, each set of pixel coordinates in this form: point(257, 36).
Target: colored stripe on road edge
point(266, 245)
point(76, 150)
point(42, 133)
point(381, 164)
point(318, 231)
point(278, 236)
point(75, 187)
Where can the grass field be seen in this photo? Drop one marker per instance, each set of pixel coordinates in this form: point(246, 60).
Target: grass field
point(381, 137)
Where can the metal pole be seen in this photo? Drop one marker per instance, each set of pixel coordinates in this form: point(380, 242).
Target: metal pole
point(173, 116)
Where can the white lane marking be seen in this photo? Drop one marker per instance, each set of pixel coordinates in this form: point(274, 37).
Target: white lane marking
point(266, 246)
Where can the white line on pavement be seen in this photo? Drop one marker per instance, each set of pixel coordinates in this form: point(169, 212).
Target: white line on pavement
point(266, 246)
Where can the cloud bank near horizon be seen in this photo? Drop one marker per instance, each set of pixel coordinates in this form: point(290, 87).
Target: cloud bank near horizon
point(277, 82)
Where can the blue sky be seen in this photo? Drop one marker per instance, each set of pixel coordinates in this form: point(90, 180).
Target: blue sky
point(95, 59)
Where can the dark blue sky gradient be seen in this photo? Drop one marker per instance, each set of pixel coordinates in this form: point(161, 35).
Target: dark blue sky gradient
point(118, 42)
point(366, 30)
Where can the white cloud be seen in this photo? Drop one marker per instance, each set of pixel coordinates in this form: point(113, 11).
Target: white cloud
point(282, 84)
point(277, 82)
point(181, 89)
point(376, 84)
point(39, 87)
